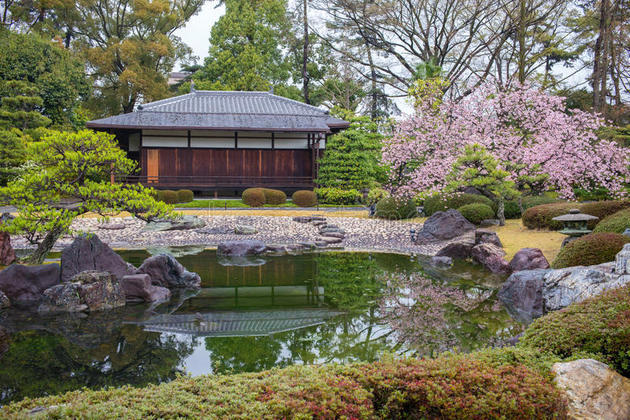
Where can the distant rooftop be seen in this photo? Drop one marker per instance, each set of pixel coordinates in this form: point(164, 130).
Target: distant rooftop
point(221, 110)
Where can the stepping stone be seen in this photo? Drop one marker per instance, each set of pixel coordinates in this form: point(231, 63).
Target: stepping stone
point(112, 226)
point(320, 223)
point(321, 244)
point(308, 245)
point(303, 219)
point(317, 218)
point(331, 240)
point(245, 230)
point(339, 235)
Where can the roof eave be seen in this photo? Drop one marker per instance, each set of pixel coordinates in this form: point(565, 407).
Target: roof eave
point(93, 124)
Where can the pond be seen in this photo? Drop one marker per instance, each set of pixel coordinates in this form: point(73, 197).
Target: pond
point(256, 314)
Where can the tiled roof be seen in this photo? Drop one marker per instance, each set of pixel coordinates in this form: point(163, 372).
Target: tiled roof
point(225, 111)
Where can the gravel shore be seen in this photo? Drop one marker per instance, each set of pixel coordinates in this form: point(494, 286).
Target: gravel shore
point(361, 233)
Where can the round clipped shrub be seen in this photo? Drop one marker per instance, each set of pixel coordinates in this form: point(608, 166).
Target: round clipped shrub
point(375, 195)
point(455, 201)
point(540, 217)
point(603, 209)
point(592, 249)
point(304, 198)
point(513, 210)
point(185, 196)
point(476, 212)
point(167, 196)
point(253, 197)
point(393, 208)
point(338, 196)
point(274, 197)
point(599, 326)
point(616, 223)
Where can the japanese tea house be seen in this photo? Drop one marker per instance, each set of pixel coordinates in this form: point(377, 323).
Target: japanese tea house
point(208, 140)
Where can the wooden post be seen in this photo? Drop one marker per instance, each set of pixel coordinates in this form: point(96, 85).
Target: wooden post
point(112, 178)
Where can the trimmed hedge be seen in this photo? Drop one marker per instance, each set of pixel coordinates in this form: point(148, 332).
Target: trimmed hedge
point(304, 198)
point(513, 210)
point(254, 197)
point(616, 223)
point(599, 326)
point(442, 203)
point(274, 197)
point(539, 217)
point(185, 196)
point(393, 208)
point(603, 209)
point(167, 196)
point(338, 196)
point(592, 249)
point(451, 386)
point(476, 212)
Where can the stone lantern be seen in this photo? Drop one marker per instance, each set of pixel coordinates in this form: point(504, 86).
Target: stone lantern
point(575, 224)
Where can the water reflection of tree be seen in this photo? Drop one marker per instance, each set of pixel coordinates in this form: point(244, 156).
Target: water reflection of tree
point(39, 362)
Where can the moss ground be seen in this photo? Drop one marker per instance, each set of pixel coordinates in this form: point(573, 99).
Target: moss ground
point(515, 236)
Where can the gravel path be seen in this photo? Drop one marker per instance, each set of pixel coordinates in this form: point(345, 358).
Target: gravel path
point(361, 233)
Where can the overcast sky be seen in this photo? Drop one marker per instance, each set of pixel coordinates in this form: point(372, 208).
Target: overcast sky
point(196, 34)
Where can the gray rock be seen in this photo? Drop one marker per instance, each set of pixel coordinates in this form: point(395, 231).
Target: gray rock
point(242, 261)
point(491, 257)
point(459, 249)
point(178, 251)
point(62, 298)
point(182, 223)
point(308, 245)
point(489, 222)
point(245, 230)
point(217, 230)
point(112, 226)
point(330, 240)
point(319, 223)
point(99, 290)
point(138, 288)
point(442, 261)
point(483, 236)
point(24, 284)
point(528, 259)
point(166, 271)
point(622, 260)
point(4, 301)
point(574, 284)
point(444, 225)
point(522, 294)
point(241, 248)
point(626, 232)
point(593, 390)
point(89, 253)
point(339, 235)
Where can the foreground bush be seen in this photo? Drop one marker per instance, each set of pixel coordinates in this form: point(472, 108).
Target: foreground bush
point(599, 326)
point(595, 248)
point(476, 212)
point(452, 386)
point(185, 196)
point(167, 196)
point(304, 198)
point(443, 203)
point(616, 223)
point(274, 197)
point(338, 196)
point(254, 197)
point(393, 208)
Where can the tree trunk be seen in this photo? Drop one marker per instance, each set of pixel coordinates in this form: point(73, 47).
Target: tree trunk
point(522, 53)
point(374, 92)
point(45, 246)
point(501, 212)
point(305, 77)
point(600, 61)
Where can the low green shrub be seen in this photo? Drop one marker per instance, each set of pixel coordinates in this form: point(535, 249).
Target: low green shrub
point(452, 386)
point(393, 208)
point(513, 210)
point(476, 212)
point(599, 326)
point(167, 196)
point(274, 197)
point(338, 196)
point(375, 195)
point(304, 198)
point(441, 203)
point(185, 196)
point(616, 223)
point(603, 209)
point(592, 249)
point(254, 197)
point(540, 217)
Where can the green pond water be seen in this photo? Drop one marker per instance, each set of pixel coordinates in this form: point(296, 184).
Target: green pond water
point(256, 314)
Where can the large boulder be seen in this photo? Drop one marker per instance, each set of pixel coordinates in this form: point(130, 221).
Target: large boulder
point(62, 298)
point(181, 223)
point(444, 225)
point(24, 284)
point(622, 260)
point(99, 290)
point(593, 390)
point(241, 248)
point(522, 294)
point(89, 253)
point(528, 259)
point(7, 254)
point(491, 257)
point(166, 271)
point(138, 288)
point(4, 301)
point(574, 284)
point(459, 248)
point(483, 236)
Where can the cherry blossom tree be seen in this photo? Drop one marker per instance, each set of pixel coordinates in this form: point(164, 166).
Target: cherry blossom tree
point(542, 146)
